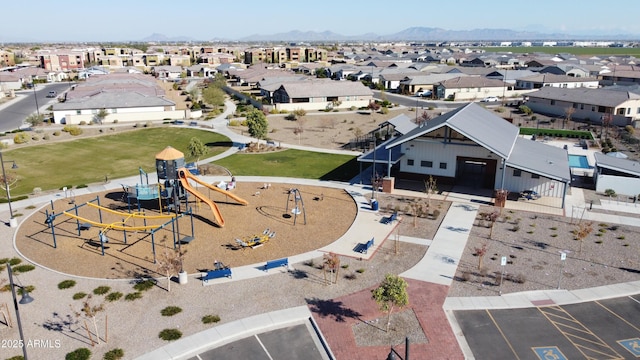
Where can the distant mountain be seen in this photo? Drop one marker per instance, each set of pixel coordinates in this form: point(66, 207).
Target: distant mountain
point(155, 37)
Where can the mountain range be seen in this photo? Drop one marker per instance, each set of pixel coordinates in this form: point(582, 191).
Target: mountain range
point(413, 34)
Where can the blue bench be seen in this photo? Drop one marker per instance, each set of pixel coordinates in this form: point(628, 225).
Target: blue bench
point(364, 247)
point(216, 274)
point(193, 123)
point(276, 263)
point(388, 220)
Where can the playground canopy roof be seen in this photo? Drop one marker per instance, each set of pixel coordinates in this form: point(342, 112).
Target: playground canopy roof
point(169, 153)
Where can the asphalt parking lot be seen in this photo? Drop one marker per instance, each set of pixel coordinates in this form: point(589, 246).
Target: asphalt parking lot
point(293, 342)
point(606, 329)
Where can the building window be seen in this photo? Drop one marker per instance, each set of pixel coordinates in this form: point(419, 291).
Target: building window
point(78, 112)
point(443, 165)
point(553, 102)
point(425, 163)
point(114, 111)
point(517, 173)
point(535, 176)
point(410, 162)
point(638, 111)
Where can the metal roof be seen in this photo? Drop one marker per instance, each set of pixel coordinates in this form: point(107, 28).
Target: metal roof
point(381, 154)
point(474, 122)
point(600, 97)
point(538, 158)
point(401, 123)
point(617, 164)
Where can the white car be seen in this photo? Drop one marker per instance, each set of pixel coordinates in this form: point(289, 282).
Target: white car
point(424, 93)
point(489, 99)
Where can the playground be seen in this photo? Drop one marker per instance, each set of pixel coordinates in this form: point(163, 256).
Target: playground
point(329, 213)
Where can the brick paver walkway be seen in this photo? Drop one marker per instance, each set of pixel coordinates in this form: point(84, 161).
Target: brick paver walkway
point(336, 318)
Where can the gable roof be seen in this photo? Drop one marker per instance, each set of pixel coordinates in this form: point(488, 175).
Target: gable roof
point(599, 97)
point(113, 100)
point(472, 82)
point(324, 88)
point(617, 164)
point(539, 158)
point(474, 122)
point(401, 123)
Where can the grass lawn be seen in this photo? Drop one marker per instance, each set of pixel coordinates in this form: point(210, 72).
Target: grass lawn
point(293, 163)
point(89, 160)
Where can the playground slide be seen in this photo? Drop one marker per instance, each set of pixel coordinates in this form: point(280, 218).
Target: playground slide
point(184, 172)
point(216, 212)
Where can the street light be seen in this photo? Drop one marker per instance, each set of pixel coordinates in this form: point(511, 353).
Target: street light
point(12, 221)
point(23, 301)
point(393, 354)
point(35, 95)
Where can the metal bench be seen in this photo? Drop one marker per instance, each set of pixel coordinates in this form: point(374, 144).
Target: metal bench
point(276, 263)
point(363, 248)
point(216, 274)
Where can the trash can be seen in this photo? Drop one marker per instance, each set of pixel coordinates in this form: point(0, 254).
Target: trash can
point(374, 205)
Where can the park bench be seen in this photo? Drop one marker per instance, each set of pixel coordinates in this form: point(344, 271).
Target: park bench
point(391, 218)
point(364, 247)
point(84, 226)
point(216, 274)
point(193, 123)
point(271, 264)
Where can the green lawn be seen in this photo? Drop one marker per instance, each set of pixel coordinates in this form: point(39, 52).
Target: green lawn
point(601, 51)
point(293, 163)
point(85, 161)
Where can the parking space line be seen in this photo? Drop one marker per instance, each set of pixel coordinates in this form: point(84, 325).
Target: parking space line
point(263, 347)
point(588, 343)
point(502, 333)
point(618, 316)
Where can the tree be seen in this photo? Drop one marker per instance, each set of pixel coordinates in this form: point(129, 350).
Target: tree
point(213, 96)
point(257, 124)
point(331, 263)
point(100, 116)
point(525, 109)
point(491, 218)
point(299, 129)
point(91, 311)
point(424, 117)
point(170, 262)
point(373, 106)
point(321, 72)
point(197, 148)
point(392, 292)
point(431, 187)
point(34, 120)
point(568, 112)
point(480, 252)
point(582, 231)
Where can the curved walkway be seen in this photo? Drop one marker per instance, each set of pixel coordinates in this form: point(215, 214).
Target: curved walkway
point(436, 269)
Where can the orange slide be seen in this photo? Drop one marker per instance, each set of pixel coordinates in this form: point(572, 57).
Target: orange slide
point(184, 175)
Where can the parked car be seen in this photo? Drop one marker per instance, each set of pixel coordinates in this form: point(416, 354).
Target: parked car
point(424, 93)
point(51, 94)
point(489, 99)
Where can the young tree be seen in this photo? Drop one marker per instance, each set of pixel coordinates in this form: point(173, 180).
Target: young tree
point(100, 116)
point(299, 129)
point(568, 112)
point(197, 148)
point(331, 263)
point(170, 262)
point(34, 120)
point(424, 117)
point(257, 123)
point(491, 218)
point(582, 231)
point(373, 106)
point(430, 187)
point(392, 292)
point(91, 311)
point(480, 252)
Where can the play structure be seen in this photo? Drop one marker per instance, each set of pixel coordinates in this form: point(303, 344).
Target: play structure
point(256, 240)
point(174, 177)
point(126, 224)
point(299, 205)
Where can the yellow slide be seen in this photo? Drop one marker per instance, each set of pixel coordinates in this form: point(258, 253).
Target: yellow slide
point(185, 173)
point(216, 212)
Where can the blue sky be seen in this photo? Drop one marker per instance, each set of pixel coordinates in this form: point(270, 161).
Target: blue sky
point(118, 20)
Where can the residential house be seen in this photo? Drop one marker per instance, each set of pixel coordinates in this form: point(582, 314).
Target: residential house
point(167, 72)
point(321, 94)
point(620, 77)
point(619, 107)
point(617, 174)
point(180, 60)
point(473, 147)
point(561, 81)
point(412, 84)
point(471, 88)
point(7, 58)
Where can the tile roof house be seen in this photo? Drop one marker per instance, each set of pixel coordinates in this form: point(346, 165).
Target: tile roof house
point(471, 146)
point(321, 94)
point(593, 105)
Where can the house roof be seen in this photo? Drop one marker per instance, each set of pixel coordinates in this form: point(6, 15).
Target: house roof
point(381, 154)
point(324, 88)
point(599, 97)
point(112, 100)
point(429, 79)
point(539, 158)
point(472, 82)
point(474, 122)
point(553, 78)
point(401, 123)
point(613, 163)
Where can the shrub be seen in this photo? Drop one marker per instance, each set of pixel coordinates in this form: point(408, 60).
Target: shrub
point(66, 284)
point(114, 296)
point(621, 237)
point(23, 268)
point(115, 354)
point(133, 296)
point(78, 354)
point(144, 285)
point(82, 122)
point(46, 137)
point(21, 138)
point(56, 133)
point(79, 295)
point(101, 290)
point(554, 235)
point(515, 228)
point(360, 271)
point(344, 266)
point(72, 130)
point(610, 192)
point(209, 319)
point(170, 311)
point(170, 334)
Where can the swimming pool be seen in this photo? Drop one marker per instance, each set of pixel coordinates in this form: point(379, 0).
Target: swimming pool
point(578, 161)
